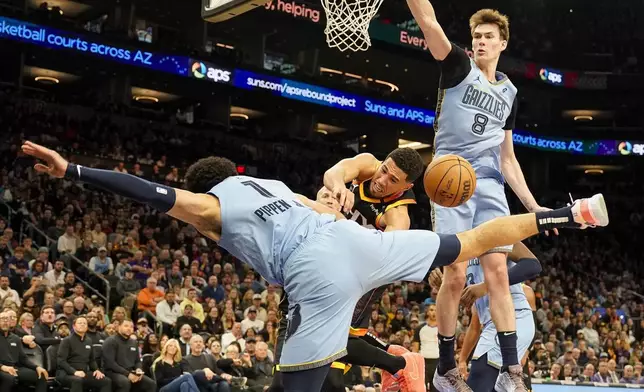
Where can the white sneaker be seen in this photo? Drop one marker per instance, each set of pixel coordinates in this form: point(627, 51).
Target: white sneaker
point(590, 212)
point(511, 381)
point(452, 381)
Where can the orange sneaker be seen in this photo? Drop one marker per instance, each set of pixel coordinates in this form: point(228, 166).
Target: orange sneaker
point(413, 373)
point(393, 382)
point(397, 350)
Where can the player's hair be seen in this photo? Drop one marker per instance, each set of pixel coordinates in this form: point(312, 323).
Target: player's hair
point(208, 172)
point(409, 161)
point(490, 16)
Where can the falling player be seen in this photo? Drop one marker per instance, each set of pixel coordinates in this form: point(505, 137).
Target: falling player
point(475, 115)
point(324, 262)
point(378, 198)
point(482, 332)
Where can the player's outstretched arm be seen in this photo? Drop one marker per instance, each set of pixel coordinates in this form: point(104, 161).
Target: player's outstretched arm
point(471, 337)
point(437, 41)
point(199, 210)
point(361, 167)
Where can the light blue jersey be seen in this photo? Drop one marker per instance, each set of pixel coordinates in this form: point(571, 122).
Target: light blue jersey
point(475, 275)
point(471, 120)
point(263, 223)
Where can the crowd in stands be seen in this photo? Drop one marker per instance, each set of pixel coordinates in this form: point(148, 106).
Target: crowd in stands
point(180, 288)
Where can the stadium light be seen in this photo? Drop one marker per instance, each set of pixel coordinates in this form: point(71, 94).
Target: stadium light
point(47, 79)
point(146, 98)
point(594, 171)
point(404, 143)
point(239, 115)
point(583, 118)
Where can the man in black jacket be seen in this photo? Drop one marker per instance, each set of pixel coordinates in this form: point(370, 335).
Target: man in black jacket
point(14, 364)
point(45, 329)
point(77, 367)
point(122, 362)
point(207, 375)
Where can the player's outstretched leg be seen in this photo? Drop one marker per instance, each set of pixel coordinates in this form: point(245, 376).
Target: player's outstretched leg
point(583, 213)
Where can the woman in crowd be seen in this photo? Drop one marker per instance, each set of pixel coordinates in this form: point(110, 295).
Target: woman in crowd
point(212, 324)
point(247, 299)
point(228, 319)
point(170, 373)
point(29, 306)
point(119, 314)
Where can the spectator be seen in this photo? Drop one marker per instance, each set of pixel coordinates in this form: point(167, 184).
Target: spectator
point(235, 335)
point(591, 335)
point(425, 341)
point(567, 358)
point(94, 331)
point(251, 321)
point(122, 362)
point(98, 237)
point(15, 367)
point(172, 374)
point(212, 323)
point(20, 280)
point(128, 288)
point(238, 367)
point(587, 375)
point(45, 330)
point(101, 263)
point(189, 319)
point(168, 311)
point(262, 314)
point(262, 365)
point(68, 243)
point(204, 368)
point(196, 306)
point(555, 372)
point(185, 334)
point(612, 365)
point(56, 276)
point(6, 292)
point(602, 374)
point(77, 368)
point(26, 325)
point(629, 376)
point(149, 297)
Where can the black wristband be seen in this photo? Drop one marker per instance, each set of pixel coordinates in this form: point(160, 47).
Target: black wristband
point(72, 172)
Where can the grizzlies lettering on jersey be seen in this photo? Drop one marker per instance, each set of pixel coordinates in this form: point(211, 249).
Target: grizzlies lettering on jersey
point(475, 275)
point(368, 212)
point(263, 223)
point(470, 120)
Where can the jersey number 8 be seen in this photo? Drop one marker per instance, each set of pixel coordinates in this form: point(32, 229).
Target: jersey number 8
point(480, 121)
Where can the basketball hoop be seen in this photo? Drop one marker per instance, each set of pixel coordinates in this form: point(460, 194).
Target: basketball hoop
point(347, 23)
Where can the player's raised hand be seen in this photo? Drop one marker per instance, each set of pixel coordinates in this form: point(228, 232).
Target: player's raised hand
point(539, 208)
point(54, 164)
point(345, 197)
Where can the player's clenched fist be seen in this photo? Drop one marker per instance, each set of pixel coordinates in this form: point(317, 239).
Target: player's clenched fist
point(345, 197)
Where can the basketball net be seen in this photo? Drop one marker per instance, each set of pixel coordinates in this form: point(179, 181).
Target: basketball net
point(347, 23)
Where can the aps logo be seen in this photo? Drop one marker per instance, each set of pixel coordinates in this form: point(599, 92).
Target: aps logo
point(625, 148)
point(200, 71)
point(551, 76)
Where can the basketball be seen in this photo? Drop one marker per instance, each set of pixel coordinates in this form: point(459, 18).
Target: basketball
point(449, 181)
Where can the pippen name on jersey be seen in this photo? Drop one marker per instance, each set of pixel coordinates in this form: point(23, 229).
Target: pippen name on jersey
point(484, 101)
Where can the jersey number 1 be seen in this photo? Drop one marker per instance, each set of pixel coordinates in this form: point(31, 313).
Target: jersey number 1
point(480, 121)
point(262, 191)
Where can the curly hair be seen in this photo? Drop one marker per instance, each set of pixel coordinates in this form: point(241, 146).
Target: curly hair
point(409, 161)
point(208, 172)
